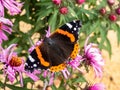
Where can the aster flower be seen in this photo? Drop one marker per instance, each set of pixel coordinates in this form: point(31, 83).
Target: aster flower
point(5, 26)
point(97, 86)
point(11, 5)
point(14, 64)
point(94, 58)
point(75, 63)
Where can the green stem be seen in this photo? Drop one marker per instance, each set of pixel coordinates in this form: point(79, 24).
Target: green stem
point(32, 84)
point(31, 42)
point(5, 83)
point(45, 85)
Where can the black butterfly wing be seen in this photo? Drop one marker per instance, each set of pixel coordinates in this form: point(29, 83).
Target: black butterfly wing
point(55, 49)
point(60, 50)
point(72, 27)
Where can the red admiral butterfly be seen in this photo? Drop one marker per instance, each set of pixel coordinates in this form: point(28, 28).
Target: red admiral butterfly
point(55, 50)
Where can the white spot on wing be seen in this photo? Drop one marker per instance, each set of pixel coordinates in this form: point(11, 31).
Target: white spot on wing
point(75, 29)
point(31, 59)
point(34, 65)
point(26, 64)
point(69, 25)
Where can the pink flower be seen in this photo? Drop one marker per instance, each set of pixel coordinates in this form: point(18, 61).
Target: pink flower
point(63, 10)
point(12, 63)
point(12, 6)
point(5, 26)
point(33, 75)
point(97, 86)
point(75, 63)
point(57, 2)
point(80, 1)
point(94, 58)
point(52, 76)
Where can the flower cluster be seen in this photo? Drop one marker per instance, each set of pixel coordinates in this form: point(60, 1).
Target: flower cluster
point(114, 10)
point(92, 56)
point(14, 66)
point(64, 9)
point(13, 8)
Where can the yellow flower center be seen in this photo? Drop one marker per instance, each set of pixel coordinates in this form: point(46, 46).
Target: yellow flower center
point(15, 61)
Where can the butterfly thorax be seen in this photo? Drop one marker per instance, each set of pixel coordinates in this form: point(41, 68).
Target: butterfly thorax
point(48, 41)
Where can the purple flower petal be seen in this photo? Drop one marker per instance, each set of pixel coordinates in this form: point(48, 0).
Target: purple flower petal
point(97, 86)
point(1, 9)
point(48, 32)
point(10, 71)
point(94, 57)
point(12, 6)
point(3, 36)
point(66, 73)
point(11, 74)
point(51, 79)
point(6, 21)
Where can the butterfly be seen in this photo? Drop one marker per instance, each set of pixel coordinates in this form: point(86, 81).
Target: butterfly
point(56, 49)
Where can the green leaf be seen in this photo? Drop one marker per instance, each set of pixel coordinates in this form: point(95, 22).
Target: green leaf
point(108, 47)
point(94, 27)
point(16, 87)
point(53, 20)
point(118, 35)
point(61, 87)
point(72, 12)
point(54, 87)
point(27, 6)
point(79, 79)
point(62, 20)
point(44, 3)
point(103, 38)
point(116, 27)
point(43, 13)
point(13, 87)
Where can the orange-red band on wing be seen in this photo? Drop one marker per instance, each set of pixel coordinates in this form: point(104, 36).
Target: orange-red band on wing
point(43, 62)
point(75, 51)
point(71, 36)
point(58, 68)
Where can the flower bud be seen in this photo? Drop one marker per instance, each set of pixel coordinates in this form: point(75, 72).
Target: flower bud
point(63, 10)
point(118, 10)
point(102, 11)
point(80, 1)
point(57, 2)
point(110, 2)
point(112, 17)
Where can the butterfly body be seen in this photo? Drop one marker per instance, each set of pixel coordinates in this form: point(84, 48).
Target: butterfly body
point(54, 50)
